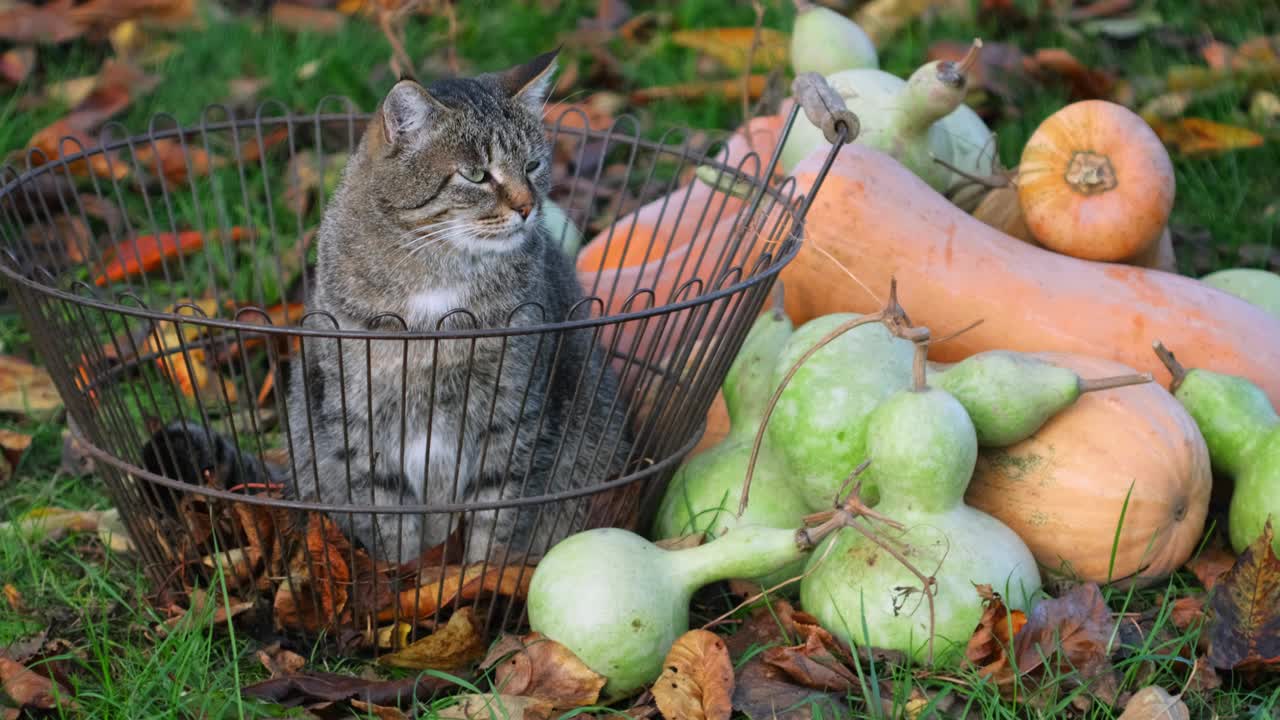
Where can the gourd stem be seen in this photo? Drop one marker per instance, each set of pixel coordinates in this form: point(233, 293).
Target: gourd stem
point(927, 583)
point(1106, 383)
point(971, 57)
point(1175, 368)
point(919, 380)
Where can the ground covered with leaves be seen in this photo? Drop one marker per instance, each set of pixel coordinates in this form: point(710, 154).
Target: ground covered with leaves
point(82, 634)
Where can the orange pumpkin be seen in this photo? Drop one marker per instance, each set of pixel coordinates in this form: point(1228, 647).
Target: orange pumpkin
point(1129, 457)
point(1095, 182)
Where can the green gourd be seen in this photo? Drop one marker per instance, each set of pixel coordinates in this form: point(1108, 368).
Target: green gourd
point(922, 448)
point(913, 121)
point(818, 426)
point(1242, 431)
point(704, 494)
point(1252, 285)
point(824, 41)
point(619, 602)
point(560, 228)
point(1010, 395)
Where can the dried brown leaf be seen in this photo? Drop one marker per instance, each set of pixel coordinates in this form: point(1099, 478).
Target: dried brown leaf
point(1187, 612)
point(1155, 703)
point(1210, 565)
point(730, 46)
point(29, 690)
point(881, 19)
point(771, 625)
point(1192, 136)
point(1244, 632)
point(1077, 625)
point(1084, 83)
point(697, 679)
point(13, 445)
point(992, 641)
point(279, 661)
point(26, 389)
point(382, 712)
point(812, 665)
point(197, 614)
point(486, 707)
point(538, 667)
point(458, 584)
point(50, 23)
point(698, 89)
point(459, 643)
point(312, 687)
point(762, 692)
point(13, 598)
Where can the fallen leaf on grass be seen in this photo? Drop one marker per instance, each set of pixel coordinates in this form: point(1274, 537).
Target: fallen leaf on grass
point(13, 445)
point(812, 665)
point(1260, 51)
point(1155, 703)
point(29, 690)
point(771, 625)
point(1244, 632)
point(315, 594)
point(1187, 612)
point(457, 644)
point(301, 18)
point(48, 23)
point(730, 46)
point(697, 679)
point(1069, 635)
point(176, 161)
point(1084, 82)
point(311, 687)
point(881, 19)
point(729, 89)
point(16, 64)
point(989, 647)
point(27, 389)
point(538, 667)
point(197, 614)
point(146, 253)
point(486, 707)
point(279, 661)
point(43, 524)
point(762, 692)
point(13, 598)
point(1193, 136)
point(1210, 566)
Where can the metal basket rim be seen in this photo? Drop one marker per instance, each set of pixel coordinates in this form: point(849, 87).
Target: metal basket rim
point(794, 208)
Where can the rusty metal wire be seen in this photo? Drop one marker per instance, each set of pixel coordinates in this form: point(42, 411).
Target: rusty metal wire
point(205, 500)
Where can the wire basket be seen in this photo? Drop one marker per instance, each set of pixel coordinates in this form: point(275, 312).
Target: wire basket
point(163, 277)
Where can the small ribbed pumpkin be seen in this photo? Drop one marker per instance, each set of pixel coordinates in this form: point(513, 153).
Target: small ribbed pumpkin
point(1095, 182)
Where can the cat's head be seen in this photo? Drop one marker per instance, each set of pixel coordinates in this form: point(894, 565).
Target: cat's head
point(463, 161)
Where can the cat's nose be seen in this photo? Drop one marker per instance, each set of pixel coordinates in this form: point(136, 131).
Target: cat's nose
point(525, 209)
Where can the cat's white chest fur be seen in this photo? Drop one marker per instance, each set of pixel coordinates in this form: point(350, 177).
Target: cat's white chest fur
point(428, 306)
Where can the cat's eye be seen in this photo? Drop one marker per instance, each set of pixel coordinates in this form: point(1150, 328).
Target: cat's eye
point(475, 175)
point(531, 166)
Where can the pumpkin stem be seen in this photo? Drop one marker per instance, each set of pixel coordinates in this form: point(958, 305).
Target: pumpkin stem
point(1107, 383)
point(1089, 173)
point(1175, 368)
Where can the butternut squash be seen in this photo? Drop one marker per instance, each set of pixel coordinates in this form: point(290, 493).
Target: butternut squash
point(880, 221)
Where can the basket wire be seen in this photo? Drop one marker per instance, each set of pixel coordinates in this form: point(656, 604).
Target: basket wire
point(227, 318)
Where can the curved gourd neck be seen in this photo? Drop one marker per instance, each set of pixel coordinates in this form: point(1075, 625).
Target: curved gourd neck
point(744, 552)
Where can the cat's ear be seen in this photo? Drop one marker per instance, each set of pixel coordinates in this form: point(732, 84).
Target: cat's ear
point(406, 109)
point(531, 82)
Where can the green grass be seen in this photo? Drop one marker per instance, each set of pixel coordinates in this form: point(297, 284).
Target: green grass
point(119, 667)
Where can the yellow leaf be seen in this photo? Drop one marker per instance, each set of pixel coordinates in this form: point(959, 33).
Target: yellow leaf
point(730, 46)
point(1197, 136)
point(455, 645)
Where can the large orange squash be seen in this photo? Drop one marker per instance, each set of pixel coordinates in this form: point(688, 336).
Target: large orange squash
point(1129, 458)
